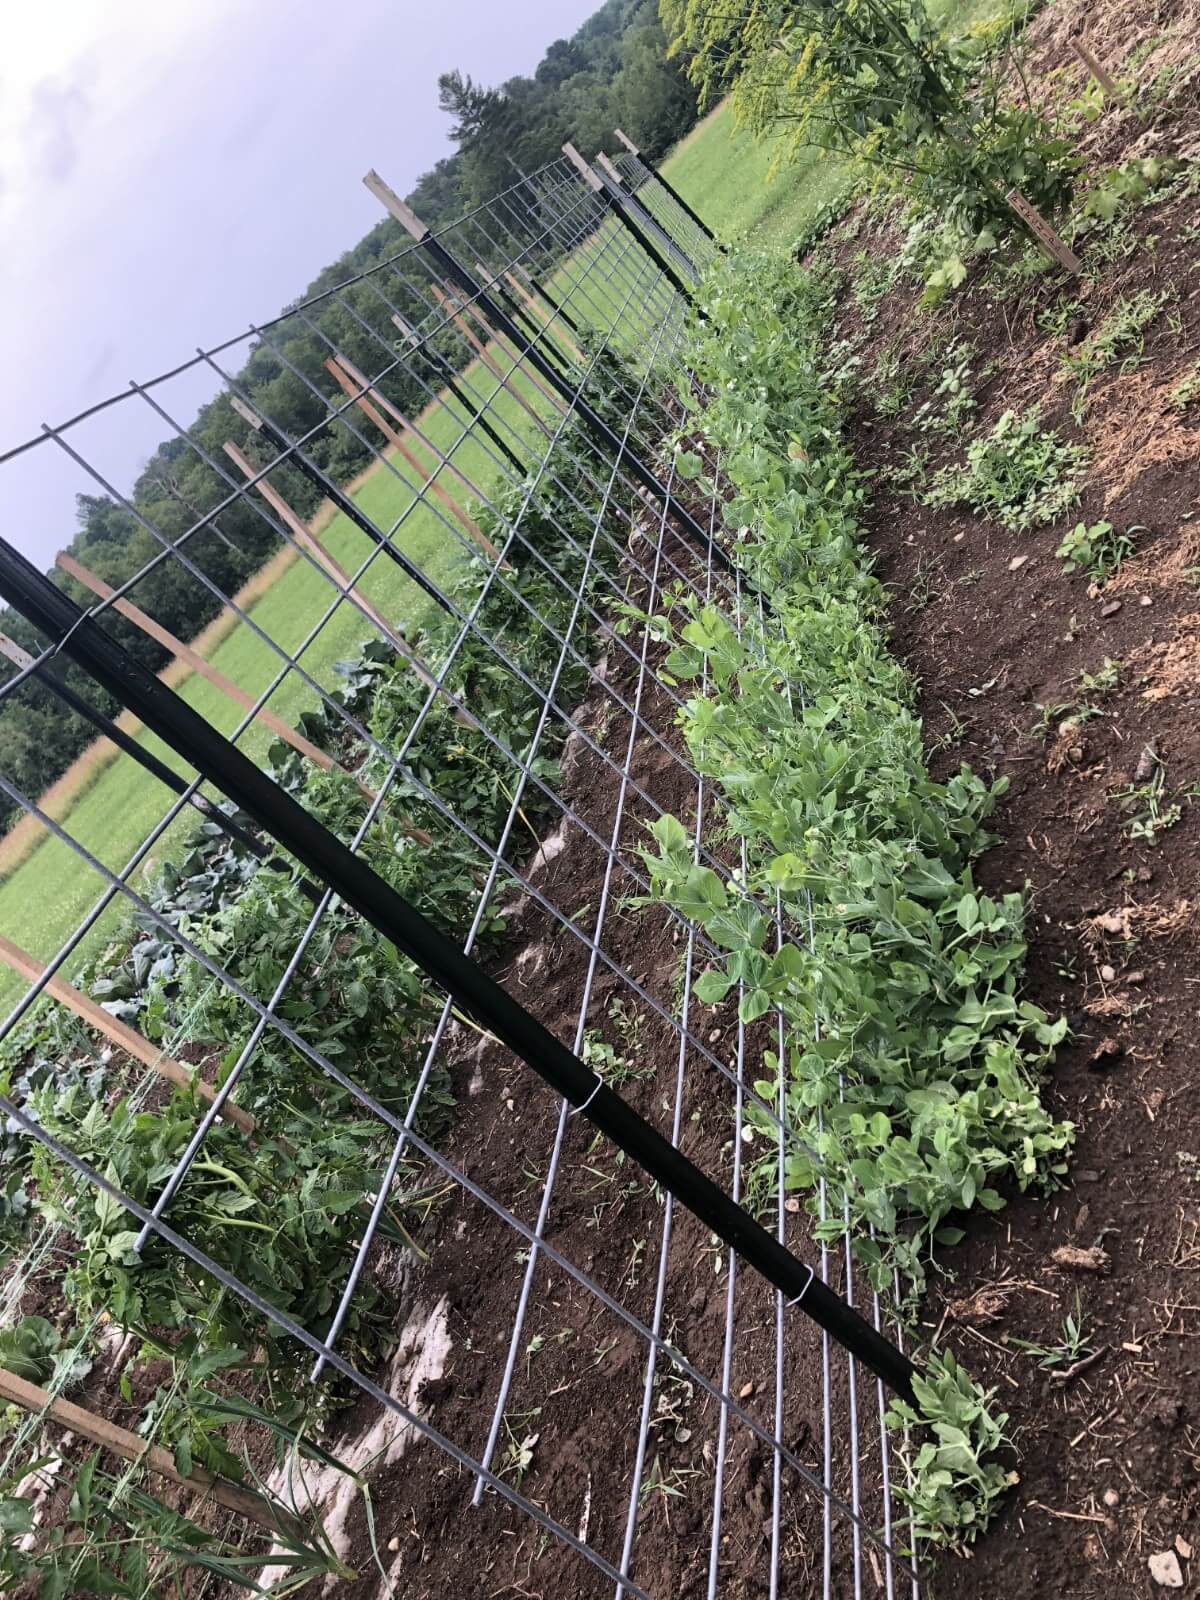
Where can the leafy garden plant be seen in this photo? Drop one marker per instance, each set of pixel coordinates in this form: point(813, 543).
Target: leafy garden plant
point(1019, 474)
point(911, 1064)
point(1097, 549)
point(878, 82)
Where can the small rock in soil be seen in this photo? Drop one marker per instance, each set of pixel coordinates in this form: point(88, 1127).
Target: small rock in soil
point(1017, 561)
point(1164, 1569)
point(1112, 1497)
point(1145, 600)
point(745, 1392)
point(1077, 1259)
point(1111, 609)
point(1108, 974)
point(1087, 1175)
point(1184, 1548)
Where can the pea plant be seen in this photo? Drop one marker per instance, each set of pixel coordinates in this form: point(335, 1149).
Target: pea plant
point(912, 1064)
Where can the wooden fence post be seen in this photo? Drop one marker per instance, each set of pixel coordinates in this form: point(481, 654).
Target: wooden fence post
point(352, 383)
point(317, 550)
point(450, 307)
point(130, 1447)
point(1101, 74)
point(199, 664)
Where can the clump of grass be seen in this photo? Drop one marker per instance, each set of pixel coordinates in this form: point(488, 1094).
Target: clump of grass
point(1019, 474)
point(1119, 338)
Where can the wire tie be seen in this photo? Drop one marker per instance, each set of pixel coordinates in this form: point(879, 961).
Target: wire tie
point(796, 1299)
point(596, 1088)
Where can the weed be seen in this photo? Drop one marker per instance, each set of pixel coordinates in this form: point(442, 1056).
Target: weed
point(1118, 338)
point(613, 1068)
point(1073, 1346)
point(1096, 549)
point(516, 1458)
point(873, 277)
point(1057, 318)
point(628, 1023)
point(532, 1348)
point(670, 1485)
point(1017, 474)
point(912, 475)
point(920, 588)
point(1105, 678)
point(1060, 716)
point(888, 384)
point(1149, 808)
point(952, 401)
point(633, 1270)
point(957, 728)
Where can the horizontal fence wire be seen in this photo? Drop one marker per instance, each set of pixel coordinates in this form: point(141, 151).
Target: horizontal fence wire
point(501, 553)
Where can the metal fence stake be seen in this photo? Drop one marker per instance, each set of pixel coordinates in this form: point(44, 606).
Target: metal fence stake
point(618, 203)
point(671, 190)
point(496, 315)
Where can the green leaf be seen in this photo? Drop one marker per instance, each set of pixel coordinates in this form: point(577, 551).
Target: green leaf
point(712, 986)
point(16, 1515)
point(753, 1004)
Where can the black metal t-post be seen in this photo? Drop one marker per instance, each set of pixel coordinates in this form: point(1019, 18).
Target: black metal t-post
point(632, 216)
point(57, 616)
point(450, 267)
point(671, 190)
point(633, 207)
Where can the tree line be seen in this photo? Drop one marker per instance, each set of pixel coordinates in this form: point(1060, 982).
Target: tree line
point(613, 71)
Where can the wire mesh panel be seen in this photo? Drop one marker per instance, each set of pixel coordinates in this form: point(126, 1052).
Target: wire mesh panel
point(454, 662)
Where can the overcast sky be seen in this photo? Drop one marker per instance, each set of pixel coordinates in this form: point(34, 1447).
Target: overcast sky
point(170, 172)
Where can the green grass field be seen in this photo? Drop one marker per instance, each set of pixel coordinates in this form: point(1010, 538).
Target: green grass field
point(725, 173)
point(51, 891)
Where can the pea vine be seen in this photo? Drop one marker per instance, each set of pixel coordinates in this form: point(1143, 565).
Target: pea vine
point(912, 1064)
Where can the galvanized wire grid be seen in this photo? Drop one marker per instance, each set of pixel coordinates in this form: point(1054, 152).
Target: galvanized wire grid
point(578, 284)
